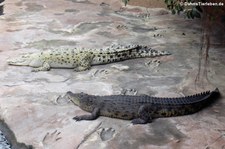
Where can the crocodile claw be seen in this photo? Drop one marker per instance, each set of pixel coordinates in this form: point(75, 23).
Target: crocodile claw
point(77, 118)
point(140, 121)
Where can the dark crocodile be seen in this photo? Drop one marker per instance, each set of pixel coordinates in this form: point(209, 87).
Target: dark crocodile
point(140, 109)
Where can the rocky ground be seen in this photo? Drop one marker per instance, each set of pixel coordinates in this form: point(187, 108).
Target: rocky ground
point(32, 103)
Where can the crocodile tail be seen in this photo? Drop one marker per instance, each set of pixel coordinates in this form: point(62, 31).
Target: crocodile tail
point(207, 100)
point(215, 94)
point(124, 53)
point(145, 51)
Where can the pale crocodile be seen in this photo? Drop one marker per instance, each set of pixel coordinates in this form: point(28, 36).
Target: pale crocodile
point(81, 59)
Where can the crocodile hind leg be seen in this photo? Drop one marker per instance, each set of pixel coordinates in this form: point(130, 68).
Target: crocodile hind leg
point(94, 115)
point(144, 115)
point(84, 62)
point(44, 67)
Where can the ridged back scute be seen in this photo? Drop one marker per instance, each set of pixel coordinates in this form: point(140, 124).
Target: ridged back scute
point(144, 99)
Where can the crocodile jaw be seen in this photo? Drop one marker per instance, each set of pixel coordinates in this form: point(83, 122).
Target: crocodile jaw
point(26, 60)
point(23, 60)
point(73, 98)
point(18, 62)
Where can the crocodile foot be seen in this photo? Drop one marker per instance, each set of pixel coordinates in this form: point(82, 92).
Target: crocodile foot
point(50, 138)
point(129, 92)
point(94, 115)
point(100, 73)
point(153, 63)
point(78, 118)
point(106, 133)
point(140, 121)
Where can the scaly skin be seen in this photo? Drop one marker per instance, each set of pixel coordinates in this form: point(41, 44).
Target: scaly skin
point(139, 109)
point(81, 59)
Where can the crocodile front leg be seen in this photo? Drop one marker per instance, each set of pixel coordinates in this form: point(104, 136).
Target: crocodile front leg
point(144, 115)
point(44, 67)
point(94, 115)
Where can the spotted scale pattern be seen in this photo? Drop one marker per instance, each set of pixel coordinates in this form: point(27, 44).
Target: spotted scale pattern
point(82, 59)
